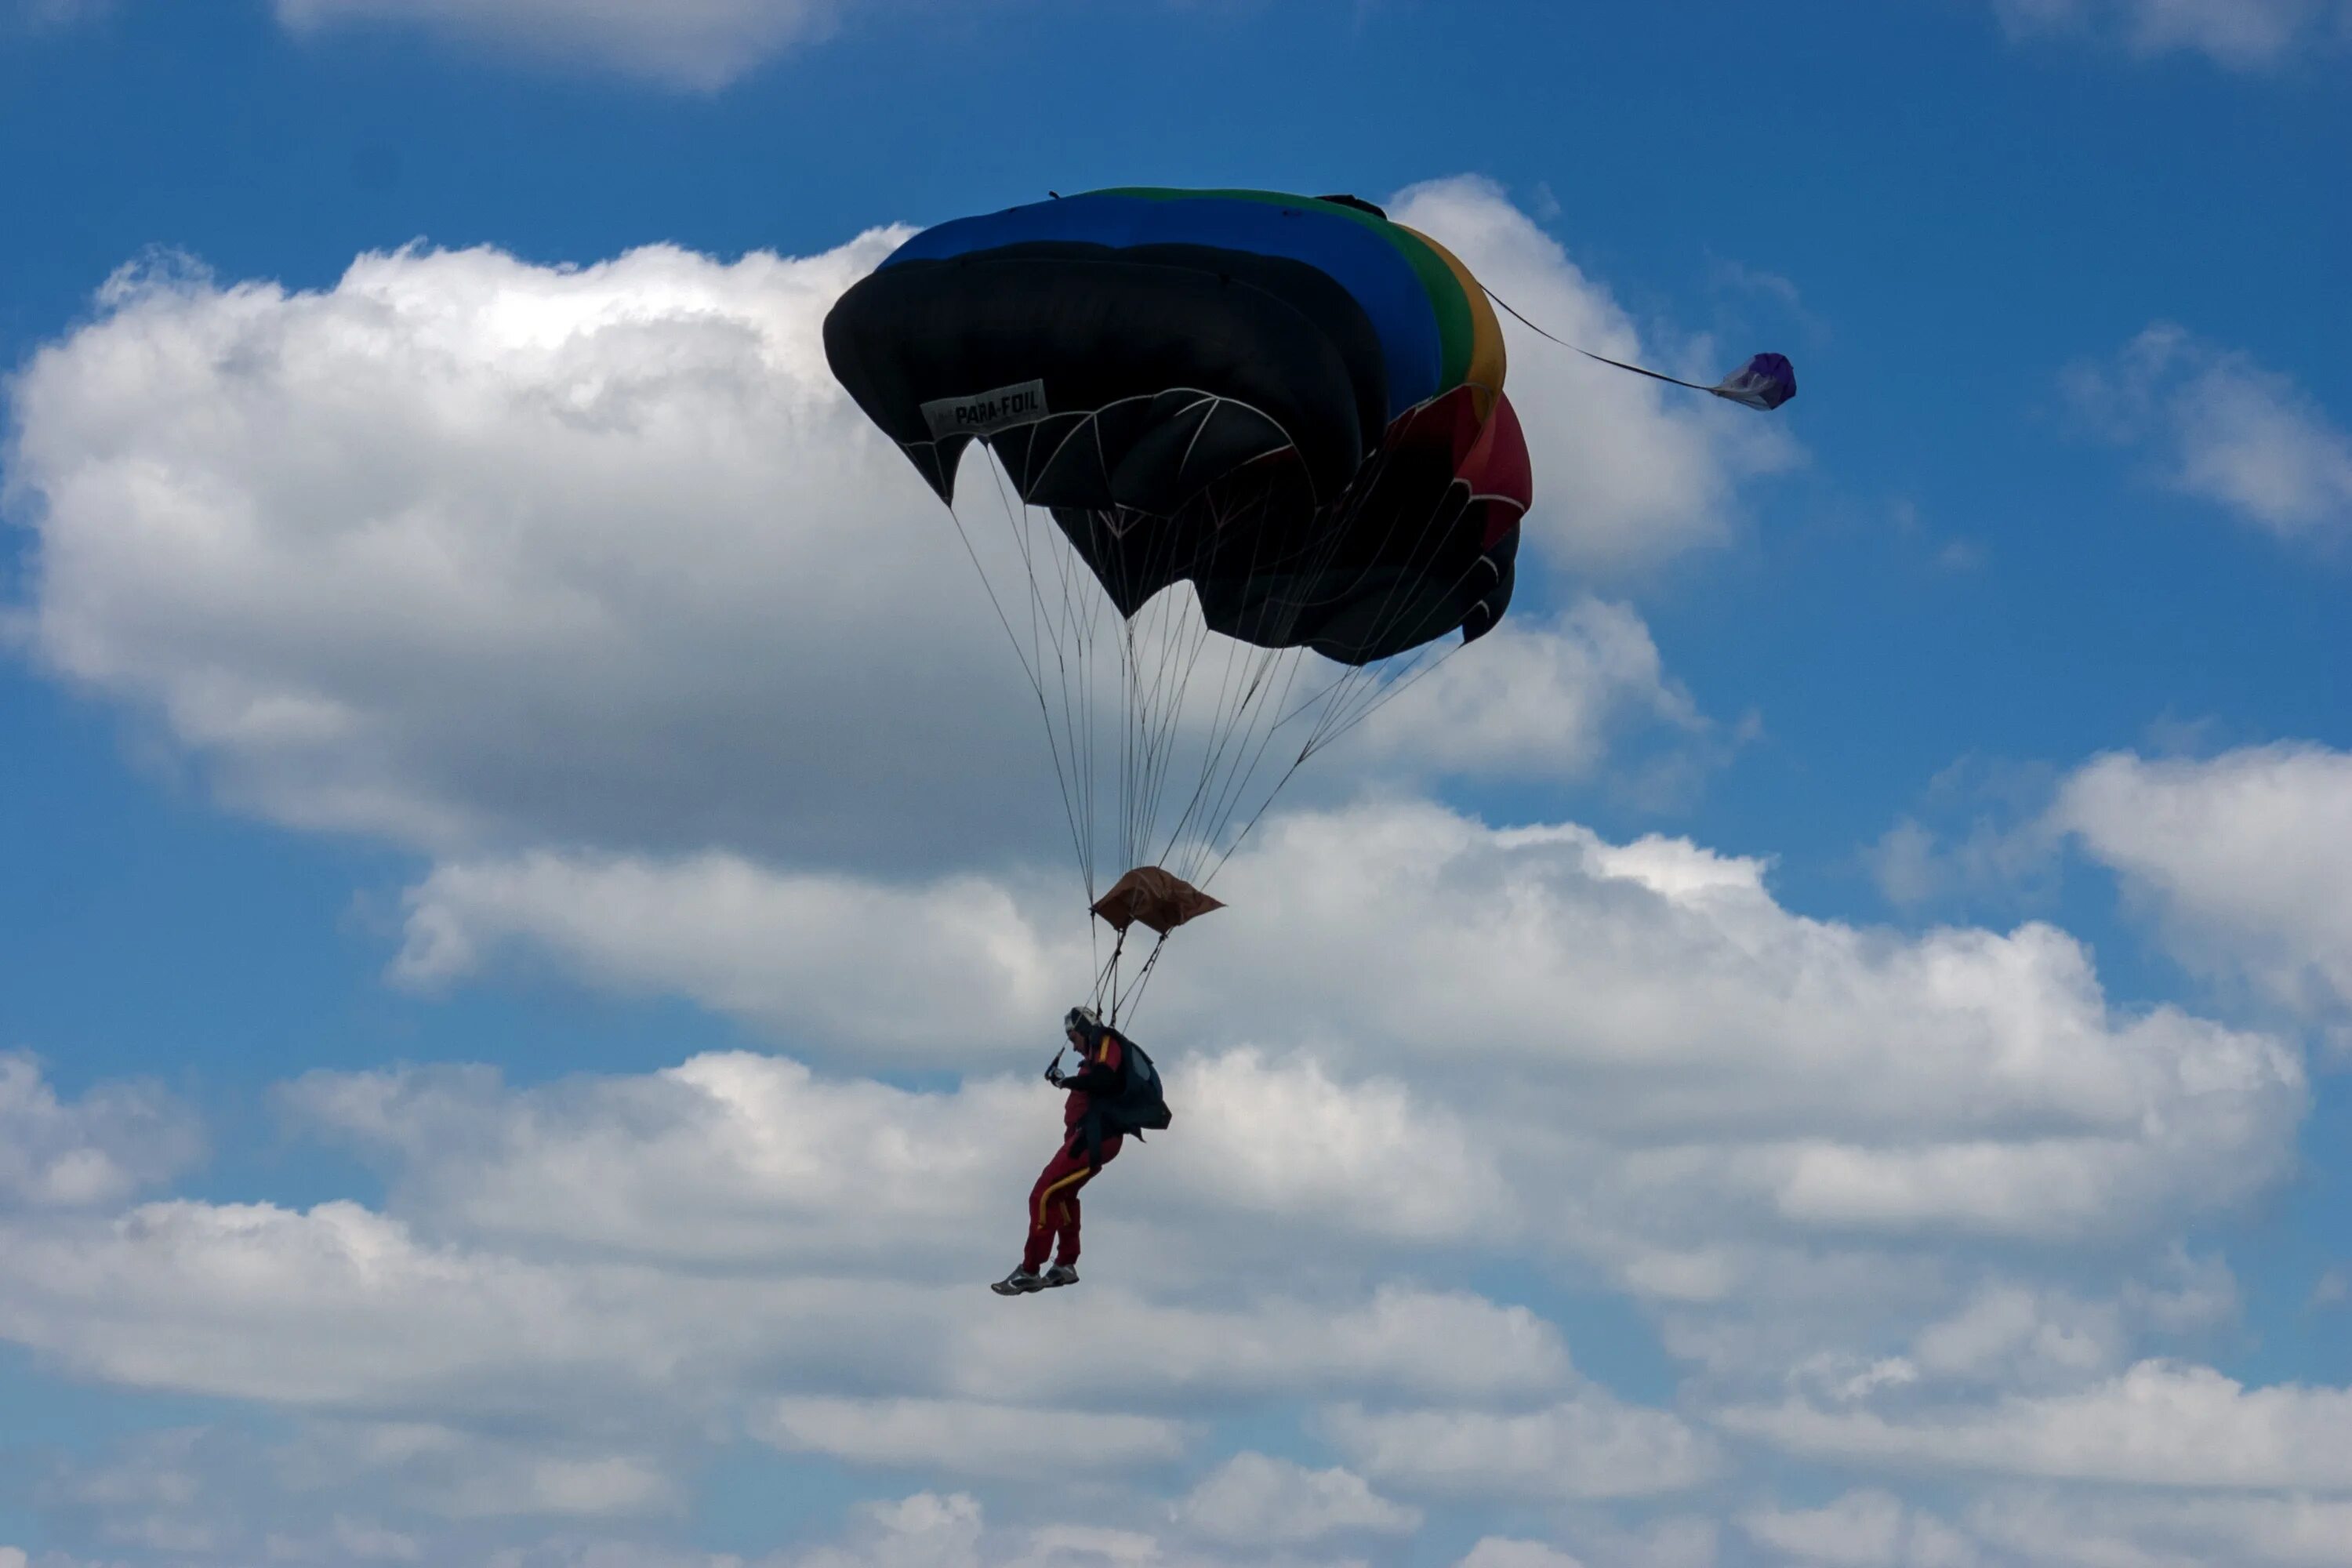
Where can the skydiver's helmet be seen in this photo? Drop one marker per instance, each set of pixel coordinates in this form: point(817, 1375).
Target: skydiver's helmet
point(1083, 1022)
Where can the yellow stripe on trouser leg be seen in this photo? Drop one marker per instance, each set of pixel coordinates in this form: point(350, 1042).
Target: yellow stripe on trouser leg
point(1046, 1196)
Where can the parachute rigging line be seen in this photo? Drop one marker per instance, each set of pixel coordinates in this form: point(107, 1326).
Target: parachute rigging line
point(1158, 653)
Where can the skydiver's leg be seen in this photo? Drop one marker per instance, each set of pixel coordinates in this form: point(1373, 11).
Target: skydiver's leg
point(1062, 1173)
point(1066, 1251)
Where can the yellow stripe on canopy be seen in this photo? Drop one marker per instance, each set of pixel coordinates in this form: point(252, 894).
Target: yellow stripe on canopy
point(1487, 364)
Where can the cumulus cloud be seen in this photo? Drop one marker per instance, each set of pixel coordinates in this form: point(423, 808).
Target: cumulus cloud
point(262, 1304)
point(259, 1302)
point(1541, 700)
point(964, 1437)
point(1747, 1118)
point(1502, 1552)
point(1588, 1446)
point(929, 1530)
point(735, 1158)
point(116, 1140)
point(2158, 1424)
point(696, 44)
point(1646, 1010)
point(1257, 1499)
point(456, 1474)
point(2016, 1335)
point(2223, 428)
point(1861, 1529)
point(465, 550)
point(336, 1492)
point(1690, 1062)
point(2145, 1530)
point(760, 944)
point(2245, 33)
point(2246, 857)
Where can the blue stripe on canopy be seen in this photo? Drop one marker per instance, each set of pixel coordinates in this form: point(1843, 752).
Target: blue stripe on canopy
point(1355, 256)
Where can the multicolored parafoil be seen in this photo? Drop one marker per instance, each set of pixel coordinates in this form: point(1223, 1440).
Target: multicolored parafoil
point(1291, 402)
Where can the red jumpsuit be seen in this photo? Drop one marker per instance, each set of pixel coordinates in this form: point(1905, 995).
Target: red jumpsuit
point(1053, 1201)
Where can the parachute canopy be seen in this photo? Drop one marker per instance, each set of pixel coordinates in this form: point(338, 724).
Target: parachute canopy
point(1290, 402)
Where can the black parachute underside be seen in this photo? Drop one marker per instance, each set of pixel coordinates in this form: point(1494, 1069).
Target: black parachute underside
point(1186, 361)
point(1210, 414)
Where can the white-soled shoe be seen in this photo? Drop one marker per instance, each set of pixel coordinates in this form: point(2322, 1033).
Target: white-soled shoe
point(1020, 1282)
point(1060, 1274)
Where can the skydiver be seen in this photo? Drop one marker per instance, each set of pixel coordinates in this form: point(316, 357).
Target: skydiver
point(1103, 1070)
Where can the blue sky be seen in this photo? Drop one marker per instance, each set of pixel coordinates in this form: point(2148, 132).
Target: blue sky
point(1908, 1058)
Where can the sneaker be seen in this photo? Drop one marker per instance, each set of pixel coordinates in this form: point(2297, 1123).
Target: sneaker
point(1060, 1274)
point(1020, 1282)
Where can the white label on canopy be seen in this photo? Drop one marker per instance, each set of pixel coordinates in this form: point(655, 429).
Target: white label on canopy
point(986, 412)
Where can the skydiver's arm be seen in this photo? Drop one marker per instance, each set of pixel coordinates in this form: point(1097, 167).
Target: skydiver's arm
point(1092, 1079)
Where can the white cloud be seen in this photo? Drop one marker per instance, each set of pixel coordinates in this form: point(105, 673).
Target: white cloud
point(342, 1492)
point(1655, 1034)
point(1627, 472)
point(465, 550)
point(1257, 1498)
point(775, 947)
point(455, 1474)
point(1533, 699)
point(338, 1307)
point(1691, 1062)
point(1861, 1529)
point(2245, 33)
point(1280, 1136)
point(2247, 857)
point(2012, 1336)
point(725, 1159)
point(2226, 429)
point(695, 44)
point(1904, 864)
point(736, 1157)
point(266, 1304)
point(99, 1149)
point(1500, 1551)
point(2106, 1531)
point(961, 1438)
point(1588, 1446)
point(1427, 1344)
point(2158, 1424)
point(926, 1530)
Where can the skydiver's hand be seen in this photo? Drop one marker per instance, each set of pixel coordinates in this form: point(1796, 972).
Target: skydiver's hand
point(1054, 1075)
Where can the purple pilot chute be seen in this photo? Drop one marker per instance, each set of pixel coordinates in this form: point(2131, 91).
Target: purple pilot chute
point(1766, 382)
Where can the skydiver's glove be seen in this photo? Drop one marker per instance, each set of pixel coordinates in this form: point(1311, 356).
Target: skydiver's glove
point(1053, 1074)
